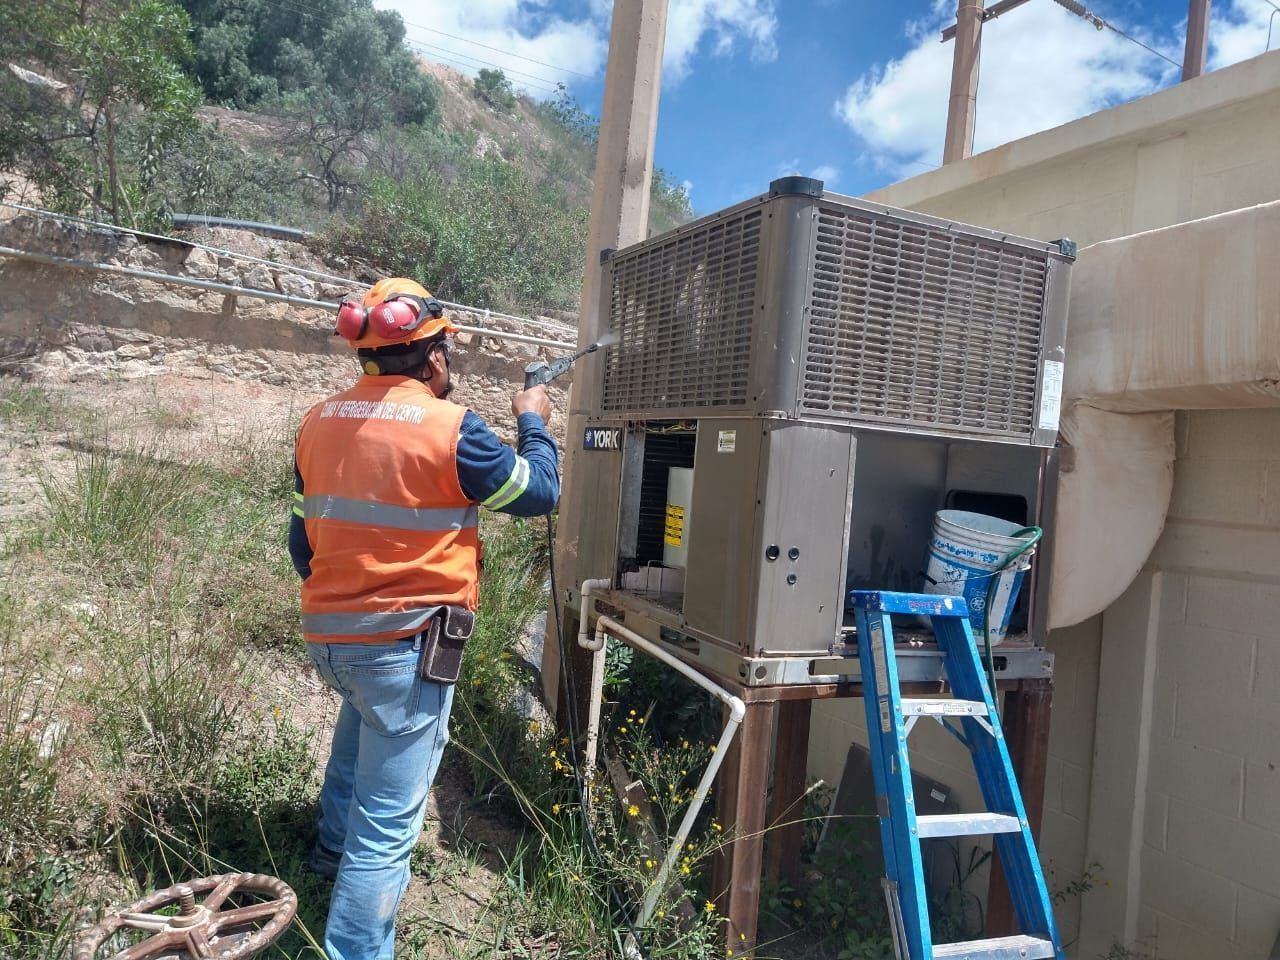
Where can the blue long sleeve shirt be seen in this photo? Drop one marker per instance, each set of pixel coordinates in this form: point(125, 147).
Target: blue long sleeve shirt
point(524, 482)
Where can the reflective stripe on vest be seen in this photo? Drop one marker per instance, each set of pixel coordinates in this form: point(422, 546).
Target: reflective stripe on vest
point(376, 514)
point(369, 623)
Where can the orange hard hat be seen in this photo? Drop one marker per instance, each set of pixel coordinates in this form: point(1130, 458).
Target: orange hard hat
point(394, 310)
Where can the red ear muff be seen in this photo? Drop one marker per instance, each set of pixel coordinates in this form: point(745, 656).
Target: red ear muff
point(353, 320)
point(395, 318)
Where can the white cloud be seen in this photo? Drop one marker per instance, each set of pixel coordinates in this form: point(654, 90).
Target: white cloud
point(562, 46)
point(1041, 67)
point(1239, 32)
point(793, 167)
point(567, 47)
point(725, 23)
point(827, 173)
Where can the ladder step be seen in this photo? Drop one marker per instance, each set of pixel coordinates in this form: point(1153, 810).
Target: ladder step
point(942, 707)
point(965, 824)
point(1001, 948)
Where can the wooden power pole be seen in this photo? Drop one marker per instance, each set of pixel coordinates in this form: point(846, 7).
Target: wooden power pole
point(1197, 39)
point(963, 104)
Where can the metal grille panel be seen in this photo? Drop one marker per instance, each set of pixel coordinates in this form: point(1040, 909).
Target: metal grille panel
point(683, 313)
point(912, 324)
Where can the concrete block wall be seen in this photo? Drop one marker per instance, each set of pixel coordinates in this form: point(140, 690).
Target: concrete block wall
point(1210, 856)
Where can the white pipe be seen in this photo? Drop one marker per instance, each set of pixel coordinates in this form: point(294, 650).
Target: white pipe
point(249, 258)
point(229, 289)
point(737, 710)
point(597, 646)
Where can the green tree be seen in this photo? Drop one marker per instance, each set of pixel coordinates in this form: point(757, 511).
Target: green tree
point(101, 66)
point(492, 236)
point(493, 87)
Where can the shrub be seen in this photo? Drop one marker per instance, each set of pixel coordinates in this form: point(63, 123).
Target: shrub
point(493, 87)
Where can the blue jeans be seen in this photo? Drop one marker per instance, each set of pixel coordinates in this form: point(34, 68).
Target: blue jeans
point(387, 743)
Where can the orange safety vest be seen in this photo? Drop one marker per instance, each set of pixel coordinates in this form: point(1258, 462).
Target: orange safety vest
point(393, 536)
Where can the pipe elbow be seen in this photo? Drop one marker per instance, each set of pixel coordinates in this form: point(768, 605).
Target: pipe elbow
point(737, 709)
point(584, 614)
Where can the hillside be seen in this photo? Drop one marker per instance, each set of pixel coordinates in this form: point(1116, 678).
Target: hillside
point(318, 117)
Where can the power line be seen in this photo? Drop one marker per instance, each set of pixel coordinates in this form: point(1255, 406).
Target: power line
point(453, 36)
point(477, 60)
point(545, 84)
point(1080, 10)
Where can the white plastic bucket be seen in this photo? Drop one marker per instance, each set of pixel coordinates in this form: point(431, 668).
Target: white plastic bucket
point(965, 550)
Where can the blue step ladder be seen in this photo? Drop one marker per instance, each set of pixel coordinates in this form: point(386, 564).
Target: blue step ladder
point(890, 718)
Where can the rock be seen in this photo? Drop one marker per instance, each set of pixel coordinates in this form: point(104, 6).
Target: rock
point(135, 370)
point(145, 257)
point(94, 342)
point(201, 264)
point(259, 278)
point(50, 738)
point(335, 292)
point(295, 286)
point(133, 351)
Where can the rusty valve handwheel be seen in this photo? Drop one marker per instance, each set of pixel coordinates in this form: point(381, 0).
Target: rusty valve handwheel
point(198, 931)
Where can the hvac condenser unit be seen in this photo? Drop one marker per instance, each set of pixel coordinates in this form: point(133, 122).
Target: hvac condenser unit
point(833, 372)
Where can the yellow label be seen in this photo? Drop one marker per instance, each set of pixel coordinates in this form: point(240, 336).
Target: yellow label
point(674, 532)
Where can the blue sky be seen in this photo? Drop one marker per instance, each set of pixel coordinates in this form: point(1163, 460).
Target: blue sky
point(848, 90)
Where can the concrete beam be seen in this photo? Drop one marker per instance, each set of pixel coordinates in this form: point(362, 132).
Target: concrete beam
point(1185, 317)
point(619, 218)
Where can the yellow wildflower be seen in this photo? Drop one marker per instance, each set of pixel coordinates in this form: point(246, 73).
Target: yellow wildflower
point(555, 809)
point(649, 864)
point(797, 903)
point(716, 827)
point(633, 810)
point(709, 907)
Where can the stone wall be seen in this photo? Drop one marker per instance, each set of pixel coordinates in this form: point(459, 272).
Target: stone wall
point(78, 326)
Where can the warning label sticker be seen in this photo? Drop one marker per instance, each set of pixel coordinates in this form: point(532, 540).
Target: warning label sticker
point(727, 441)
point(1051, 394)
point(673, 535)
point(881, 671)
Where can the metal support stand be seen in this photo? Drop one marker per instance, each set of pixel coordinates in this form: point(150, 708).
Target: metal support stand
point(767, 837)
point(1026, 727)
point(766, 832)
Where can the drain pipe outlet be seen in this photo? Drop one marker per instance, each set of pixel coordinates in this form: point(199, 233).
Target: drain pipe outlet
point(607, 626)
point(595, 644)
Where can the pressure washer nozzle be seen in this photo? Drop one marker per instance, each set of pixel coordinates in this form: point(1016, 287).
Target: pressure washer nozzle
point(542, 372)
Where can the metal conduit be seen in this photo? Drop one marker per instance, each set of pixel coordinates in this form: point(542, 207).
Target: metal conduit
point(235, 291)
point(249, 258)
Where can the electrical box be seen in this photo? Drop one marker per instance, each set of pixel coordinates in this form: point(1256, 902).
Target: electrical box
point(832, 372)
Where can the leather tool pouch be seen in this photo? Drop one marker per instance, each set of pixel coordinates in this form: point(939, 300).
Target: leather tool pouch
point(446, 636)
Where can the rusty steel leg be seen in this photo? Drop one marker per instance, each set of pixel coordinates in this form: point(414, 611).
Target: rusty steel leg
point(741, 789)
point(786, 808)
point(1026, 727)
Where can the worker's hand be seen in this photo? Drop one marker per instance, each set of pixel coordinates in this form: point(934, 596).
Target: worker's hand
point(533, 400)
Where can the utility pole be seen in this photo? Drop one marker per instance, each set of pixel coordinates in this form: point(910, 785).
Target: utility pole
point(963, 105)
point(1197, 39)
point(619, 218)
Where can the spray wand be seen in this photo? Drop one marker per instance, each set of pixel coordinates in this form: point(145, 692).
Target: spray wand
point(540, 372)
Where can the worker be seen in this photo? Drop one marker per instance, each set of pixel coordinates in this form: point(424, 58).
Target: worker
point(388, 478)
